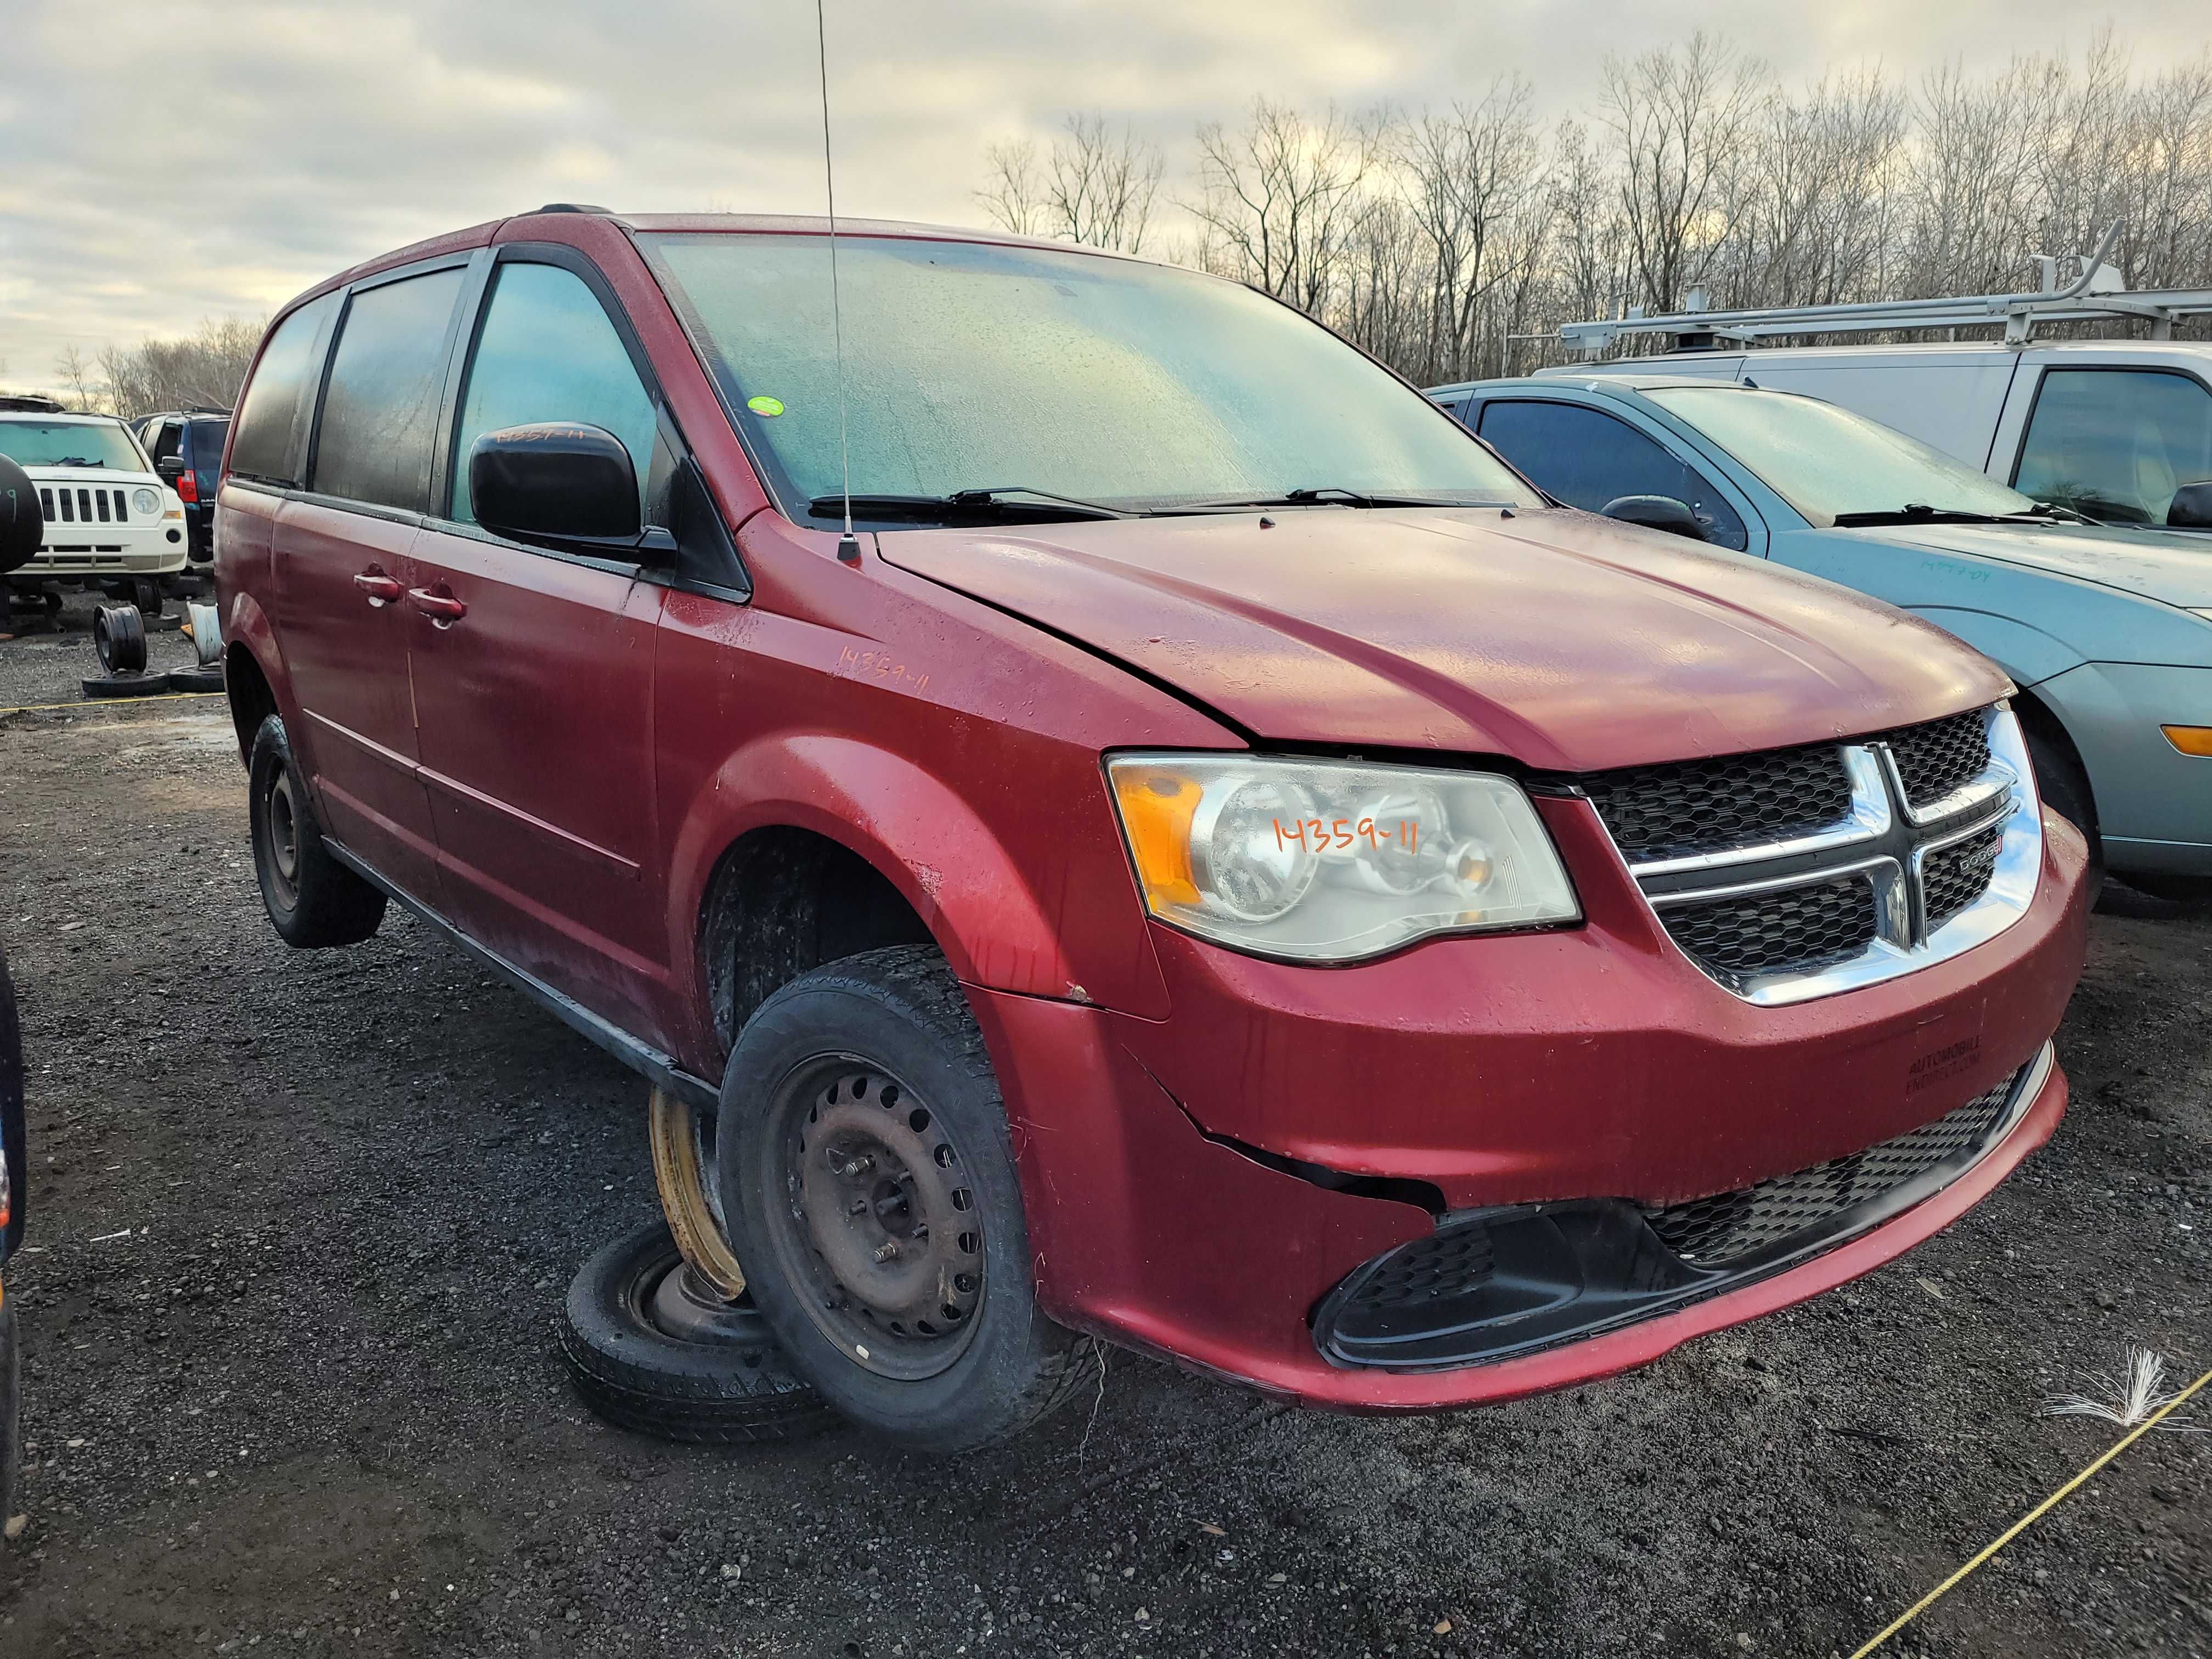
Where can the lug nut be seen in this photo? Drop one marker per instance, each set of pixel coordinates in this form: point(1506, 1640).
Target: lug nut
point(886, 1250)
point(859, 1165)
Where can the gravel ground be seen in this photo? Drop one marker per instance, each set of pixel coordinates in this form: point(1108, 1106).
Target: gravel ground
point(45, 659)
point(300, 1223)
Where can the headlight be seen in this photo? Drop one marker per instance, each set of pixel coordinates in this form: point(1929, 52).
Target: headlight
point(1327, 861)
point(145, 503)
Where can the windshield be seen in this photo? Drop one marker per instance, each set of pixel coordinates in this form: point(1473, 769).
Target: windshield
point(971, 366)
point(1829, 463)
point(57, 443)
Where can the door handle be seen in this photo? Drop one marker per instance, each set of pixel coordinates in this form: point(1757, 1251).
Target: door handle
point(381, 589)
point(442, 609)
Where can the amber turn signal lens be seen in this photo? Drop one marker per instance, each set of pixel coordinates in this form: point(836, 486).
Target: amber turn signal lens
point(2190, 739)
point(1157, 808)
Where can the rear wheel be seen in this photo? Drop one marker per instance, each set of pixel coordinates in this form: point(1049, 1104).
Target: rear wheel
point(870, 1187)
point(311, 899)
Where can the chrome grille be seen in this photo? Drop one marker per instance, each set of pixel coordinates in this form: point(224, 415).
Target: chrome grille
point(1940, 756)
point(1721, 1228)
point(1702, 806)
point(1953, 877)
point(1786, 928)
point(1799, 873)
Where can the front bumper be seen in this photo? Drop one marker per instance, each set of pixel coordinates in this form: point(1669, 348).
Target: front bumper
point(1197, 1187)
point(70, 559)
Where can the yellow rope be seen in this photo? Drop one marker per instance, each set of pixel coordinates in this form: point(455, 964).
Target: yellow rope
point(2030, 1518)
point(106, 703)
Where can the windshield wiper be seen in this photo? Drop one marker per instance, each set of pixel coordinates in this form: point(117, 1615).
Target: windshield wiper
point(967, 503)
point(1917, 513)
point(1336, 496)
point(76, 460)
point(2052, 513)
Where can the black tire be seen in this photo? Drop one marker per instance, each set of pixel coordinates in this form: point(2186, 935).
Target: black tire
point(146, 596)
point(882, 1043)
point(651, 1350)
point(196, 679)
point(2065, 790)
point(119, 638)
point(313, 900)
point(107, 686)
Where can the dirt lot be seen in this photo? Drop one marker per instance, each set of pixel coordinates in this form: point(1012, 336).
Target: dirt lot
point(301, 1225)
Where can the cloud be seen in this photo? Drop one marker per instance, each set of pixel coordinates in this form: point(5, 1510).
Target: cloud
point(212, 160)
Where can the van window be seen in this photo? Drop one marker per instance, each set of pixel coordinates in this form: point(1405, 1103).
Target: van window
point(1587, 457)
point(2115, 444)
point(387, 376)
point(269, 414)
point(971, 364)
point(547, 352)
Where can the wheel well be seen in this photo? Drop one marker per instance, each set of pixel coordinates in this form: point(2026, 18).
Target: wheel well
point(252, 701)
point(783, 901)
point(2041, 725)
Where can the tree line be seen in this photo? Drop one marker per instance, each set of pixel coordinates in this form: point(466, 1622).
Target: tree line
point(1452, 242)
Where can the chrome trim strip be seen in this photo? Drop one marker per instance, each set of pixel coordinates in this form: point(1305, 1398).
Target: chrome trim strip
point(1823, 877)
point(1869, 816)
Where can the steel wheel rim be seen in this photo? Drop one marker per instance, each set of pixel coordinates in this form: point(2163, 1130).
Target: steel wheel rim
point(283, 821)
point(683, 1163)
point(858, 1161)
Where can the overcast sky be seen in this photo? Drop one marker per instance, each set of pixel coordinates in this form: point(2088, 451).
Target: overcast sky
point(160, 164)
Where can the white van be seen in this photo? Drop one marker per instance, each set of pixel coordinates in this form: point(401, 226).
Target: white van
point(2114, 429)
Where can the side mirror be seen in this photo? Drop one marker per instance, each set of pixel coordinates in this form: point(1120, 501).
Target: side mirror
point(169, 468)
point(555, 481)
point(1657, 513)
point(22, 525)
point(2190, 508)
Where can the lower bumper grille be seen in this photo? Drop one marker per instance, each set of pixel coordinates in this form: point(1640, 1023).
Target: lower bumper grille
point(1489, 1285)
point(1730, 1225)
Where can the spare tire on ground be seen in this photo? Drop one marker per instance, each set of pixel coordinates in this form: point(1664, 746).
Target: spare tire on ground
point(651, 1347)
point(124, 685)
point(196, 679)
point(119, 635)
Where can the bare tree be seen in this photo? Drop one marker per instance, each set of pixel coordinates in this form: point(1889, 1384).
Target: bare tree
point(204, 370)
point(1014, 194)
point(1679, 121)
point(1096, 186)
point(1282, 197)
point(1450, 243)
point(75, 376)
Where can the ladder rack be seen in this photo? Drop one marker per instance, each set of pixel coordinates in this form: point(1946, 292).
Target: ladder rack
point(2098, 294)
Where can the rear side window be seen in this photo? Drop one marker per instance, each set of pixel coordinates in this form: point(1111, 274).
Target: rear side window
point(1586, 459)
point(2115, 444)
point(269, 414)
point(207, 438)
point(380, 411)
point(548, 352)
point(161, 440)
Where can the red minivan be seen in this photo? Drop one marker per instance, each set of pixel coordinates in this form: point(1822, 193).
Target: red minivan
point(1214, 861)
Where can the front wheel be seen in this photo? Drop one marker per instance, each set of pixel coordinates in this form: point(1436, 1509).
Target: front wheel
point(869, 1182)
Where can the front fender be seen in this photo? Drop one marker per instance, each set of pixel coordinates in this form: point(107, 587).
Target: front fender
point(2025, 652)
point(969, 889)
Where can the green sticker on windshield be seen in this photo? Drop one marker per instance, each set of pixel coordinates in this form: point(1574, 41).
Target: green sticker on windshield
point(764, 405)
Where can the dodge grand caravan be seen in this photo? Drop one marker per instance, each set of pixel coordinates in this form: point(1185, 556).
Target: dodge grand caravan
point(1210, 860)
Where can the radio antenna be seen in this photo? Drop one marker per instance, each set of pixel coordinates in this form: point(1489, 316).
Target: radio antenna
point(848, 544)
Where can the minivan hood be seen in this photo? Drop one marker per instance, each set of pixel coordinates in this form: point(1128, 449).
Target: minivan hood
point(1564, 641)
point(2171, 566)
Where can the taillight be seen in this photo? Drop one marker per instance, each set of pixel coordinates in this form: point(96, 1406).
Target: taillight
point(188, 488)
